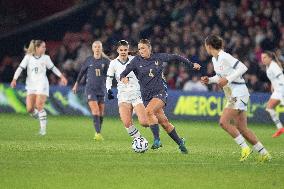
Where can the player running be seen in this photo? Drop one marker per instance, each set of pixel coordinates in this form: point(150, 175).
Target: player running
point(274, 72)
point(129, 96)
point(148, 69)
point(229, 71)
point(95, 68)
point(36, 62)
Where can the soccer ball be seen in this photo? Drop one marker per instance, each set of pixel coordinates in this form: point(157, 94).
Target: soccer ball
point(140, 144)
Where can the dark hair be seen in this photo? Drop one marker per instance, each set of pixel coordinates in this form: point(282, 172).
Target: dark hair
point(215, 41)
point(145, 41)
point(273, 56)
point(122, 43)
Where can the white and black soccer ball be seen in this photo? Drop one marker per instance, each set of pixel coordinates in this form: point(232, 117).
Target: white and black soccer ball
point(140, 144)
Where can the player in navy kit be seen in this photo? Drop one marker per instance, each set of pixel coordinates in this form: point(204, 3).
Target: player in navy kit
point(95, 69)
point(148, 69)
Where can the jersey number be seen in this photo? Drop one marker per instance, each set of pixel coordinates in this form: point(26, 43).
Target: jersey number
point(98, 72)
point(150, 73)
point(36, 70)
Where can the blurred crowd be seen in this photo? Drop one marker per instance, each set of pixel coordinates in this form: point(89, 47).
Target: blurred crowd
point(248, 27)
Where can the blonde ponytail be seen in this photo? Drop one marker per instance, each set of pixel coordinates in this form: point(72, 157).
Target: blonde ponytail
point(32, 46)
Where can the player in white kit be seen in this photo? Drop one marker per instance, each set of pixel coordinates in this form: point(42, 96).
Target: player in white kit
point(229, 71)
point(37, 86)
point(274, 72)
point(129, 95)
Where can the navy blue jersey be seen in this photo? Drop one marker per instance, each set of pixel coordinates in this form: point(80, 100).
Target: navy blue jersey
point(149, 72)
point(96, 72)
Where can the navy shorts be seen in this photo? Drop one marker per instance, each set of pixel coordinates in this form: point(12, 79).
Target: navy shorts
point(93, 96)
point(163, 96)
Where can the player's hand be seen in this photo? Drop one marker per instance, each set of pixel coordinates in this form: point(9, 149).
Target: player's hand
point(204, 80)
point(124, 80)
point(196, 66)
point(13, 83)
point(63, 80)
point(74, 89)
point(222, 82)
point(110, 94)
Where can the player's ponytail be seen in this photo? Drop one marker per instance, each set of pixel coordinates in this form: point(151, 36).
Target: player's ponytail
point(32, 46)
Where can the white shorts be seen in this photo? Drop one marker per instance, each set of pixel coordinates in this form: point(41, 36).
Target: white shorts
point(238, 103)
point(38, 90)
point(130, 98)
point(278, 96)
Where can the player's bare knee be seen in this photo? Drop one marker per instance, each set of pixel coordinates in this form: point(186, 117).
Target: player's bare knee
point(149, 112)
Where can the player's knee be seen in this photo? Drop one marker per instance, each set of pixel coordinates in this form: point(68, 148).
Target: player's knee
point(149, 112)
point(95, 113)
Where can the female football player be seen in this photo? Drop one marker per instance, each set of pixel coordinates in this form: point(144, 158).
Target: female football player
point(229, 71)
point(274, 72)
point(95, 68)
point(148, 69)
point(36, 62)
point(129, 96)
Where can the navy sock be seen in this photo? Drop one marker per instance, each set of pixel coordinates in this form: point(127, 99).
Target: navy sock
point(173, 134)
point(97, 123)
point(101, 120)
point(156, 131)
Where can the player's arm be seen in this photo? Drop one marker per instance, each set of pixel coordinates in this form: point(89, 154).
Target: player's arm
point(168, 57)
point(56, 71)
point(239, 70)
point(209, 80)
point(81, 74)
point(130, 67)
point(110, 76)
point(22, 66)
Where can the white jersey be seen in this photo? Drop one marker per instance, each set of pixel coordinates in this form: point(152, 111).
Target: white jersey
point(36, 70)
point(225, 65)
point(276, 77)
point(116, 67)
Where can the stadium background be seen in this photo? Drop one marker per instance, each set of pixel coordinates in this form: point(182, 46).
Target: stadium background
point(70, 26)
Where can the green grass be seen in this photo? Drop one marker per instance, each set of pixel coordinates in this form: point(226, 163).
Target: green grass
point(68, 157)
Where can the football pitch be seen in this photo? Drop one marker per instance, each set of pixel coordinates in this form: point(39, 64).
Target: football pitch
point(67, 157)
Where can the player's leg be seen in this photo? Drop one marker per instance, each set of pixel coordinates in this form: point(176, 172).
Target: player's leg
point(42, 115)
point(270, 108)
point(125, 112)
point(31, 105)
point(241, 123)
point(95, 110)
point(152, 107)
point(141, 114)
point(102, 111)
point(227, 116)
point(170, 129)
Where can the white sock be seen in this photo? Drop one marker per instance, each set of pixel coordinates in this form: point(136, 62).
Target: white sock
point(241, 141)
point(34, 114)
point(133, 132)
point(42, 119)
point(275, 118)
point(260, 148)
